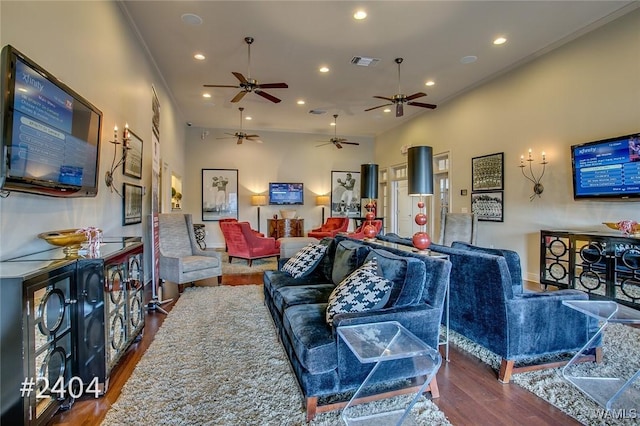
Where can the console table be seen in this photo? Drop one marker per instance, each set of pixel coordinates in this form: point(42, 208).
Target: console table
point(606, 265)
point(382, 343)
point(281, 228)
point(67, 317)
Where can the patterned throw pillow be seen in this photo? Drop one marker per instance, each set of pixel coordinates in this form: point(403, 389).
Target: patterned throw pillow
point(363, 290)
point(304, 261)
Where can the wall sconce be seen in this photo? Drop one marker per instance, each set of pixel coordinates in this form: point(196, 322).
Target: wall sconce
point(369, 190)
point(322, 200)
point(537, 186)
point(258, 200)
point(420, 180)
point(108, 177)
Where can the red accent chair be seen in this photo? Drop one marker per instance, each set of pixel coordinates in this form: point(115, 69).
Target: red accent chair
point(330, 228)
point(242, 242)
point(259, 234)
point(358, 234)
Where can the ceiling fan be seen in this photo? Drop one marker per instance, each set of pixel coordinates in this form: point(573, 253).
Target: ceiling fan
point(241, 135)
point(400, 99)
point(250, 85)
point(338, 142)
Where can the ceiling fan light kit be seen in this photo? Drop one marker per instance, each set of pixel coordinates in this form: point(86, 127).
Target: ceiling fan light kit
point(400, 99)
point(249, 84)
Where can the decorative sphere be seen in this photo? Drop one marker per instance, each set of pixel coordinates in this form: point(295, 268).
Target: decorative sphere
point(370, 216)
point(421, 219)
point(369, 231)
point(421, 204)
point(421, 240)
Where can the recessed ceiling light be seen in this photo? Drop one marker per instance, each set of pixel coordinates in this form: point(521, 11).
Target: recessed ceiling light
point(332, 124)
point(386, 110)
point(500, 40)
point(300, 102)
point(191, 19)
point(324, 69)
point(248, 118)
point(199, 56)
point(430, 83)
point(360, 14)
point(206, 95)
point(469, 59)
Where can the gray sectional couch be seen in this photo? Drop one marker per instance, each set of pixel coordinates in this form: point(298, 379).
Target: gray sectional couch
point(323, 364)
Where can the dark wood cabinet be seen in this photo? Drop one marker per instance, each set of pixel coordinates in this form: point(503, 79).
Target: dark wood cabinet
point(280, 228)
point(57, 326)
point(602, 264)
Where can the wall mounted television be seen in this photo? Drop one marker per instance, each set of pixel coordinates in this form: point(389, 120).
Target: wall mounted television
point(281, 193)
point(50, 134)
point(607, 169)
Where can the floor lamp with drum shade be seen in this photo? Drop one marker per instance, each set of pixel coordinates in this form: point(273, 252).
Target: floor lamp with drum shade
point(420, 181)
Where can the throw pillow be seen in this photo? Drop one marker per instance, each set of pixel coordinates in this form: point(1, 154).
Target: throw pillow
point(304, 261)
point(363, 290)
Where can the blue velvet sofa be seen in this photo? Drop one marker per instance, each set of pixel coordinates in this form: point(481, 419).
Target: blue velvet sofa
point(323, 364)
point(488, 305)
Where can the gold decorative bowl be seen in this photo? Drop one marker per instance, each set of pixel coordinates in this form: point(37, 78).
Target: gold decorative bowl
point(614, 225)
point(70, 239)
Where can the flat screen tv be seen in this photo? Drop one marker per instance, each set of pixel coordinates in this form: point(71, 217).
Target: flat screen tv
point(607, 169)
point(283, 194)
point(50, 134)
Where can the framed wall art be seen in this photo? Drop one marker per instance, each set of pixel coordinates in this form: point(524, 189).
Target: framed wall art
point(345, 194)
point(132, 204)
point(488, 206)
point(487, 172)
point(133, 159)
point(219, 194)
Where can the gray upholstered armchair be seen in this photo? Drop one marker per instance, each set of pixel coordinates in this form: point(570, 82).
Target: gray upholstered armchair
point(457, 227)
point(181, 259)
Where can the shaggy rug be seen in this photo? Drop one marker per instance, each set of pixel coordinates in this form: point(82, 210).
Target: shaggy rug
point(241, 266)
point(216, 360)
point(621, 352)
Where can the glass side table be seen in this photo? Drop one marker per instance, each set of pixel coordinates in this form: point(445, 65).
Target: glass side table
point(381, 343)
point(609, 392)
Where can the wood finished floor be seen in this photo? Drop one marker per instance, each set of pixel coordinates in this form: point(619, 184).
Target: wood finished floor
point(470, 393)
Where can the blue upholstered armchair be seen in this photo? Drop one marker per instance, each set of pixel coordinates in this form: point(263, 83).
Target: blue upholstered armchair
point(488, 305)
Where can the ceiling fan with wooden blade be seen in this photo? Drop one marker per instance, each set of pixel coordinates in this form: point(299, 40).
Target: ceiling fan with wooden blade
point(400, 99)
point(240, 134)
point(250, 85)
point(338, 142)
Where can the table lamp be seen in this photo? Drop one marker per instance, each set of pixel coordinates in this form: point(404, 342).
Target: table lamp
point(322, 200)
point(369, 190)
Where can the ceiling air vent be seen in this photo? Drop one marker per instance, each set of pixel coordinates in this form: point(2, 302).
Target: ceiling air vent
point(363, 61)
point(317, 111)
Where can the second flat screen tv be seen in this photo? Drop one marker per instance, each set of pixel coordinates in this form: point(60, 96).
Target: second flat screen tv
point(607, 169)
point(283, 193)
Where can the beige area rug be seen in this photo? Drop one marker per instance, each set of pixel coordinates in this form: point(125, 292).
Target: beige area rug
point(621, 351)
point(216, 360)
point(241, 266)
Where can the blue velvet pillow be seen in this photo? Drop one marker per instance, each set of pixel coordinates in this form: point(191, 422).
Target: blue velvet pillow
point(512, 258)
point(363, 290)
point(349, 255)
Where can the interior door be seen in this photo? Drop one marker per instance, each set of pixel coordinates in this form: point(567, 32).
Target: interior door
point(405, 210)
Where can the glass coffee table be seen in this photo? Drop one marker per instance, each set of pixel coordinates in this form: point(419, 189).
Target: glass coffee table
point(382, 343)
point(609, 392)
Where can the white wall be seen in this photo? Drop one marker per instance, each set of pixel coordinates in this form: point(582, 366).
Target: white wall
point(89, 46)
point(586, 90)
point(282, 157)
